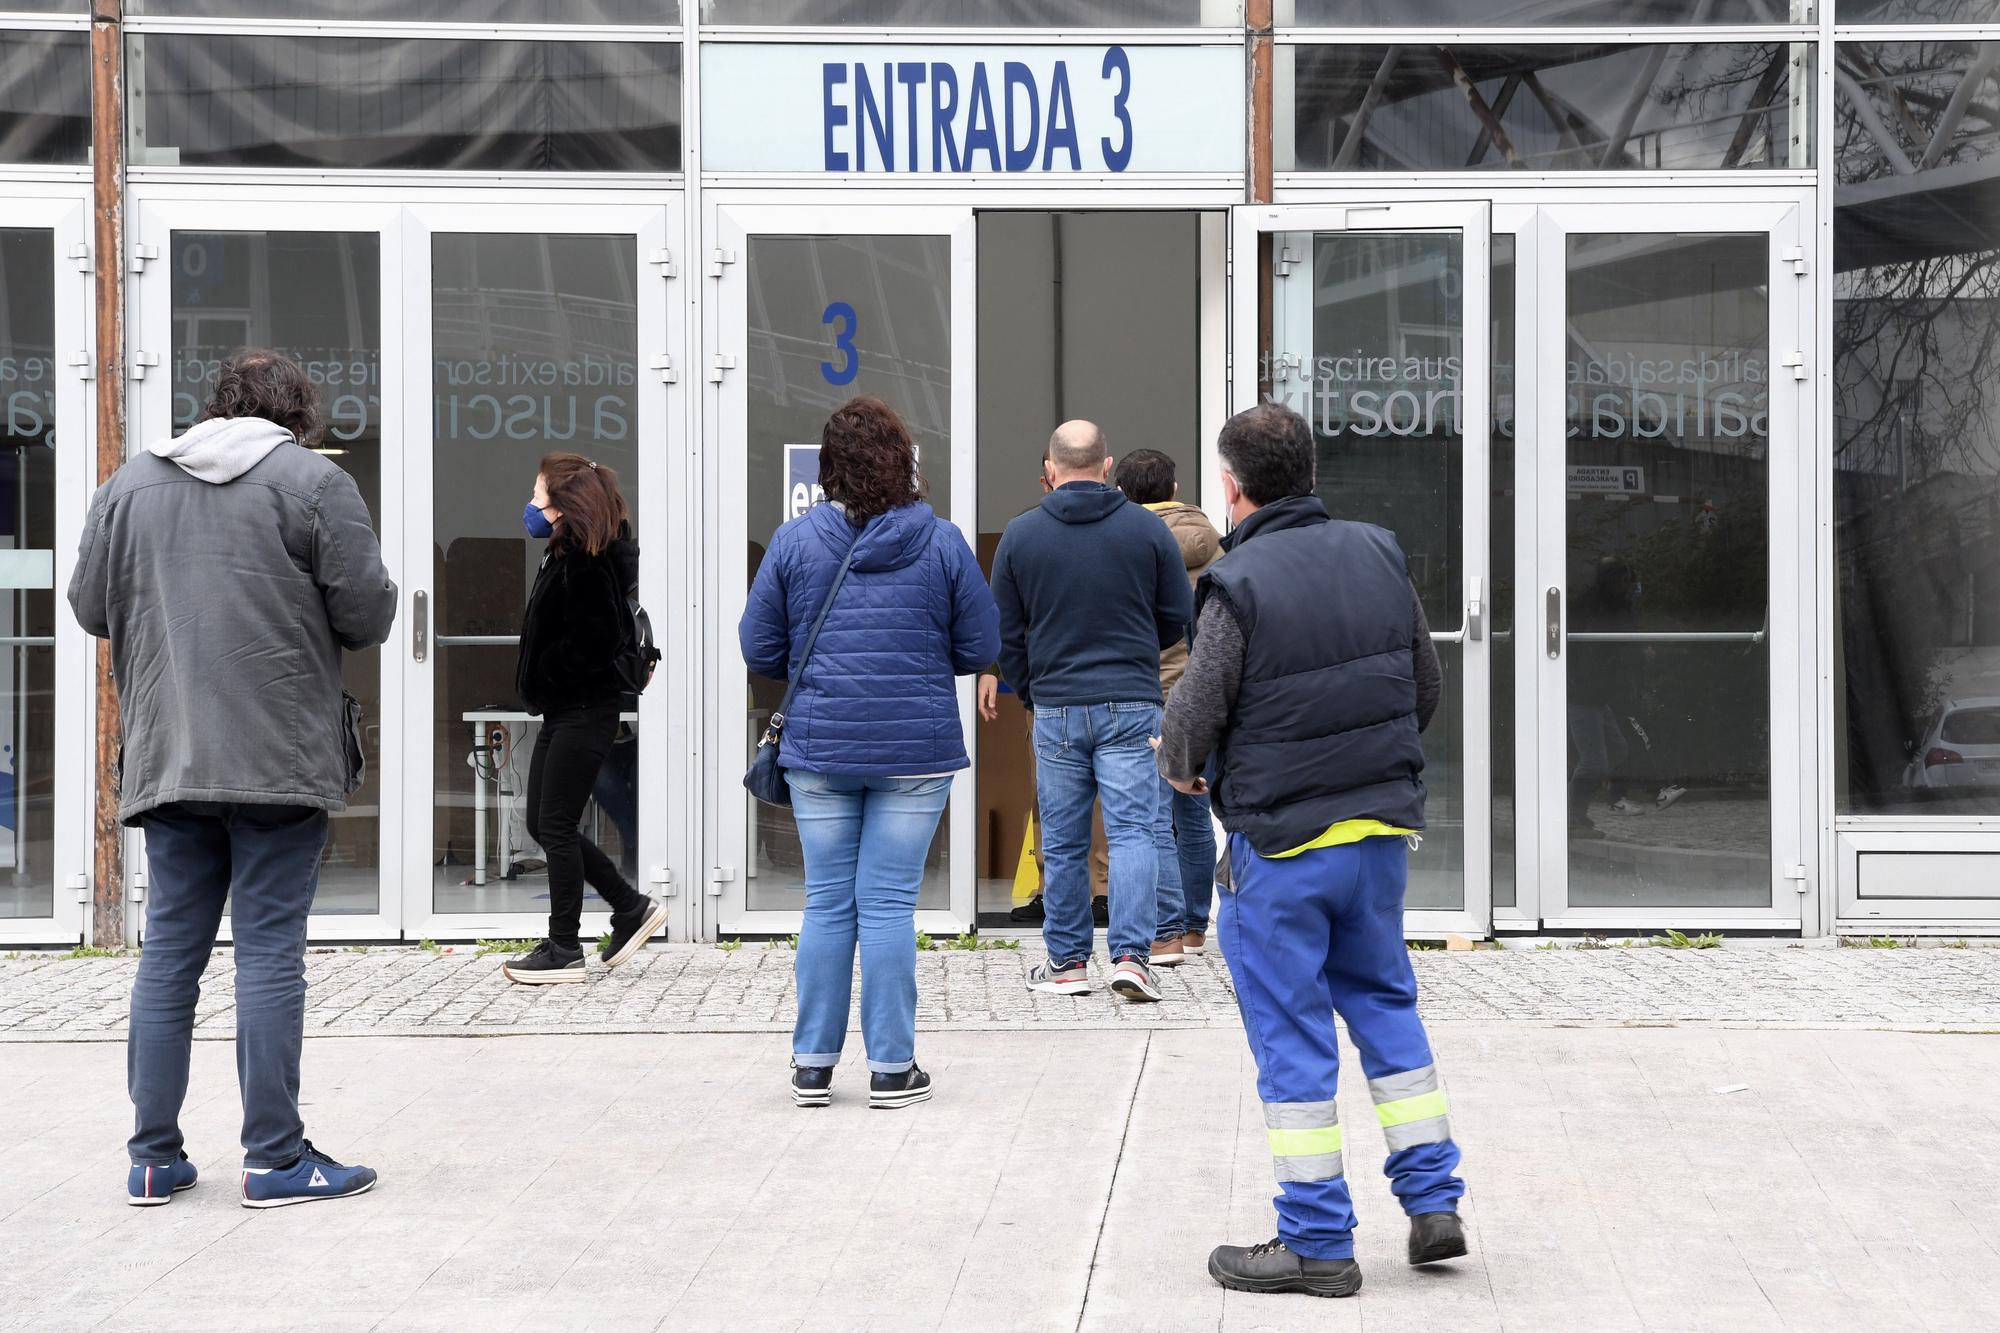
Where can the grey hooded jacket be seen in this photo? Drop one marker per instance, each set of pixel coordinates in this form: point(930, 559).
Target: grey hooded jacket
point(229, 567)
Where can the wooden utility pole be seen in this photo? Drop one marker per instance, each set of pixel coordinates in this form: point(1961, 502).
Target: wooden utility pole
point(107, 171)
point(1262, 54)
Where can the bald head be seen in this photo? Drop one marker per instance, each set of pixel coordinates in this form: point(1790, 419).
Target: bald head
point(1077, 452)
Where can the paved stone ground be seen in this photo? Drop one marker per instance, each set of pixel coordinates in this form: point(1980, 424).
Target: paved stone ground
point(1632, 1178)
point(694, 988)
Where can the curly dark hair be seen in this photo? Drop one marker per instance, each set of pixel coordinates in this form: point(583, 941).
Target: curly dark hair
point(867, 461)
point(258, 382)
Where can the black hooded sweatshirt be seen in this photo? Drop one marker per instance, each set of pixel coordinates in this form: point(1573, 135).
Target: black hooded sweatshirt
point(576, 621)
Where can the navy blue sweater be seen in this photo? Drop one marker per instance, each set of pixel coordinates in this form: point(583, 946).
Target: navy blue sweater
point(1090, 588)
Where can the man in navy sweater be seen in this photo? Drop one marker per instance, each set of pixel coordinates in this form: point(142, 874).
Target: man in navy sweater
point(1090, 588)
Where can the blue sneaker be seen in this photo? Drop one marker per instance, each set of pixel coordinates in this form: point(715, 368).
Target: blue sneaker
point(151, 1186)
point(313, 1176)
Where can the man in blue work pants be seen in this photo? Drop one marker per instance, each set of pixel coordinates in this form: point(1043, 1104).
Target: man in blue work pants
point(1311, 676)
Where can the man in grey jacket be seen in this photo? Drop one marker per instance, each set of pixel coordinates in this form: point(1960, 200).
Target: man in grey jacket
point(229, 568)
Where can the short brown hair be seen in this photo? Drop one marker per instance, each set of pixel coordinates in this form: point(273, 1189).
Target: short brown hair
point(258, 382)
point(593, 509)
point(867, 461)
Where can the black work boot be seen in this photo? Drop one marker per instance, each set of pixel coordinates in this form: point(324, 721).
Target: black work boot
point(1272, 1267)
point(1435, 1237)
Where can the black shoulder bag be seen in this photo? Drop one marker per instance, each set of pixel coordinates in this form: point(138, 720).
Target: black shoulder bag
point(763, 778)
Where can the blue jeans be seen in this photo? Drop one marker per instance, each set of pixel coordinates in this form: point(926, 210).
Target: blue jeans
point(1186, 840)
point(865, 840)
point(266, 858)
point(1101, 753)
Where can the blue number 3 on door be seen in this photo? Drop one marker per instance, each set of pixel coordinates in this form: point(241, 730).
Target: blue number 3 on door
point(843, 342)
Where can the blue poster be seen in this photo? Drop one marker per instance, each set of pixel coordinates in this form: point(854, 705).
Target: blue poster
point(802, 490)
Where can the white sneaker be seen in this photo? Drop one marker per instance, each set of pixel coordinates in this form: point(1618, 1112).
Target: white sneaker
point(1626, 806)
point(1669, 794)
point(1134, 980)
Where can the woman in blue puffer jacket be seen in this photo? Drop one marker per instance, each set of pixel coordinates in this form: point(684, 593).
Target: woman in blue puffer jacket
point(873, 736)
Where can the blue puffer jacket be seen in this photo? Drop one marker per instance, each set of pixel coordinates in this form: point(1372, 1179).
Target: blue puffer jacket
point(878, 698)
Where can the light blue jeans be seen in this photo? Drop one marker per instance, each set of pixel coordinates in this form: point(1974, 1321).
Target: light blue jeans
point(865, 840)
point(1102, 753)
point(1186, 842)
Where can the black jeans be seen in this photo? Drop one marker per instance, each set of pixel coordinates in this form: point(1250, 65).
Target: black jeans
point(568, 754)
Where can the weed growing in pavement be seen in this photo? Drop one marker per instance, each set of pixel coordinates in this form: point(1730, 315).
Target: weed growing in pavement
point(1596, 942)
point(604, 941)
point(1550, 946)
point(504, 946)
point(782, 942)
point(925, 944)
point(357, 948)
point(729, 946)
point(1002, 944)
point(92, 951)
point(1675, 939)
point(430, 946)
point(1948, 944)
point(1425, 946)
point(13, 957)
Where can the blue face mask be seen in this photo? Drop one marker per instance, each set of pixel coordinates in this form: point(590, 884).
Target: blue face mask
point(536, 522)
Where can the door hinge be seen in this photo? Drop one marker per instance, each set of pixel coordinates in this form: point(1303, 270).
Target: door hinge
point(1797, 874)
point(719, 876)
point(1283, 364)
point(1795, 255)
point(718, 365)
point(1281, 264)
point(79, 884)
point(665, 259)
point(717, 258)
point(80, 252)
point(141, 361)
point(142, 253)
point(1797, 361)
point(664, 877)
point(85, 367)
point(665, 365)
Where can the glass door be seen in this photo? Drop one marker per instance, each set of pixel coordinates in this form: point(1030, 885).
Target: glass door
point(817, 305)
point(532, 329)
point(1374, 326)
point(1673, 591)
point(319, 283)
point(47, 663)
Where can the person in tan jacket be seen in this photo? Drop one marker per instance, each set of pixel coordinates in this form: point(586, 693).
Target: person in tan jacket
point(1185, 835)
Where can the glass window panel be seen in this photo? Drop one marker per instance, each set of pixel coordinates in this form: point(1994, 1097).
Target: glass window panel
point(219, 100)
point(1542, 13)
point(44, 97)
point(317, 297)
point(1916, 416)
point(653, 13)
point(48, 6)
point(1366, 343)
point(977, 13)
point(1667, 521)
point(27, 558)
point(1916, 11)
point(829, 318)
point(1600, 107)
point(534, 349)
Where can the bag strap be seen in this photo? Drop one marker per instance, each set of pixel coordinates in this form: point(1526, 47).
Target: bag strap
point(777, 723)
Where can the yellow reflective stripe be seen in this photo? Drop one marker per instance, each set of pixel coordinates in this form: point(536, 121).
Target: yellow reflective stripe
point(1424, 1106)
point(1342, 834)
point(1304, 1142)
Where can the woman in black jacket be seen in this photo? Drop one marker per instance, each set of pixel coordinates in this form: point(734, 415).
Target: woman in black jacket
point(577, 622)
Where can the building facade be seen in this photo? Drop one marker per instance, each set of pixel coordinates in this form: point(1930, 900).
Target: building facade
point(1665, 334)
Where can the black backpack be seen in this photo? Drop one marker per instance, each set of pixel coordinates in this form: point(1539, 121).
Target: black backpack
point(638, 657)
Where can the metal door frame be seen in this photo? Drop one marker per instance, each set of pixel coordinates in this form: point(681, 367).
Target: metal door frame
point(725, 417)
point(1472, 219)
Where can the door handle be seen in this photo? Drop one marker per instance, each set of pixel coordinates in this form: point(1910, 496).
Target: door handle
point(1555, 605)
point(420, 625)
point(1475, 611)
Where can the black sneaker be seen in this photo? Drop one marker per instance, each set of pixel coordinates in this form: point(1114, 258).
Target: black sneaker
point(1100, 910)
point(631, 936)
point(891, 1092)
point(1435, 1237)
point(1029, 912)
point(1271, 1267)
point(547, 963)
point(812, 1085)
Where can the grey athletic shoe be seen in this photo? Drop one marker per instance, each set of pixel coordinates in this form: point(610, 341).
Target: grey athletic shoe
point(1060, 979)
